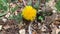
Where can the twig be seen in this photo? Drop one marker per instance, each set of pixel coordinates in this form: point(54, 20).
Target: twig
point(30, 31)
point(24, 2)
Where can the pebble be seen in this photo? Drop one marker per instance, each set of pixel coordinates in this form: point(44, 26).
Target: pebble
point(0, 27)
point(22, 31)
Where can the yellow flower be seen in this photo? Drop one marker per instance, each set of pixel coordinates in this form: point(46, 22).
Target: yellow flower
point(29, 13)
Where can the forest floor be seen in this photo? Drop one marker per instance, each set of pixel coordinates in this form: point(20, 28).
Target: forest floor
point(51, 24)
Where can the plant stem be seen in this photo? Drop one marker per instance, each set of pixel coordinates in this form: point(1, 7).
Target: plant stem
point(24, 2)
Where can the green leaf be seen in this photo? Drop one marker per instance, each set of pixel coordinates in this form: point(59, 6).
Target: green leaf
point(4, 2)
point(14, 9)
point(2, 14)
point(29, 2)
point(3, 7)
point(40, 18)
point(19, 17)
point(11, 16)
point(12, 0)
point(58, 5)
point(47, 0)
point(37, 4)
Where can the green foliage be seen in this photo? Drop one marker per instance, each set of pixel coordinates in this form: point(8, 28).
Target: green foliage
point(29, 2)
point(4, 2)
point(14, 9)
point(47, 0)
point(12, 0)
point(37, 4)
point(17, 17)
point(40, 18)
point(58, 6)
point(4, 7)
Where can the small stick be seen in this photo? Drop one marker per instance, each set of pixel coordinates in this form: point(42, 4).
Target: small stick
point(24, 2)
